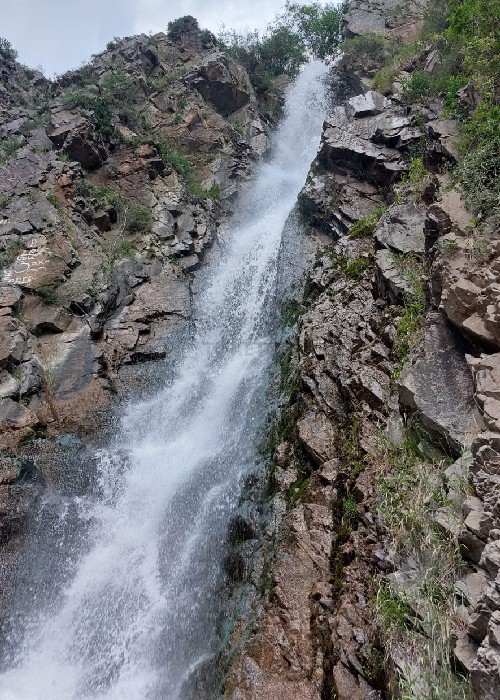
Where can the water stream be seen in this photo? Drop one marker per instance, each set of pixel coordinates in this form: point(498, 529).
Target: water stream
point(136, 611)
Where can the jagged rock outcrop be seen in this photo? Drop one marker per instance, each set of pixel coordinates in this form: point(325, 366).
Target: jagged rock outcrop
point(386, 17)
point(102, 221)
point(363, 151)
point(437, 385)
point(359, 373)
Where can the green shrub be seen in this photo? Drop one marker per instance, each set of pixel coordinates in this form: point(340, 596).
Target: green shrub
point(119, 250)
point(10, 253)
point(349, 509)
point(54, 200)
point(183, 25)
point(292, 311)
point(237, 124)
point(7, 51)
point(139, 219)
point(316, 24)
point(116, 87)
point(393, 609)
point(356, 267)
point(300, 31)
point(420, 85)
point(100, 107)
point(411, 319)
point(113, 44)
point(279, 51)
point(368, 48)
point(384, 78)
point(367, 225)
point(47, 291)
point(386, 75)
point(350, 267)
point(9, 146)
point(104, 195)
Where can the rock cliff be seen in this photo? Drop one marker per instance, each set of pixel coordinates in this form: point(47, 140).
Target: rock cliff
point(377, 573)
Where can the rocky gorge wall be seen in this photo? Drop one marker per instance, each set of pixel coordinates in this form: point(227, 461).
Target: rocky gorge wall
point(376, 573)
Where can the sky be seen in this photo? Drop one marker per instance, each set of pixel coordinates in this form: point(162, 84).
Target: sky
point(59, 35)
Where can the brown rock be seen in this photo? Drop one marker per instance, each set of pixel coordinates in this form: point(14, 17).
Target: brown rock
point(318, 436)
point(437, 385)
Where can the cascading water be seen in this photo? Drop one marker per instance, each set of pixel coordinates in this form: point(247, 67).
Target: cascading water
point(136, 613)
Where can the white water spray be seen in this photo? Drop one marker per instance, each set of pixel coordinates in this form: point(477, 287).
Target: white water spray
point(137, 615)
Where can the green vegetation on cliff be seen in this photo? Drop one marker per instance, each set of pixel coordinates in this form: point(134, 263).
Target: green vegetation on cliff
point(465, 39)
point(301, 31)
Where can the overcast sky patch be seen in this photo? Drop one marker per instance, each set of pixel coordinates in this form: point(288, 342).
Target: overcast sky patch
point(63, 34)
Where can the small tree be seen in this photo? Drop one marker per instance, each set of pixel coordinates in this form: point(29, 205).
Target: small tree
point(7, 51)
point(317, 25)
point(184, 25)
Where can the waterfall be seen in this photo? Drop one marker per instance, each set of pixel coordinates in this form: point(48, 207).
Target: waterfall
point(136, 613)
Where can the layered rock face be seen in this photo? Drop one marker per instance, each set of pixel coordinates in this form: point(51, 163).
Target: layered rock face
point(362, 375)
point(386, 17)
point(110, 196)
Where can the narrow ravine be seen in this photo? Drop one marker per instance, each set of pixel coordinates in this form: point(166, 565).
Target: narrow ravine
point(136, 605)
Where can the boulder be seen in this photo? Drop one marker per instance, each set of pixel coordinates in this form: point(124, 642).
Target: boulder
point(15, 415)
point(350, 143)
point(437, 386)
point(401, 229)
point(77, 137)
point(486, 373)
point(9, 386)
point(318, 436)
point(10, 296)
point(465, 652)
point(32, 375)
point(389, 18)
point(45, 318)
point(12, 341)
point(391, 283)
point(223, 83)
point(367, 105)
point(334, 201)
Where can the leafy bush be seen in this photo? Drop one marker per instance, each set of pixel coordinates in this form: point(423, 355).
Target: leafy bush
point(385, 76)
point(139, 219)
point(105, 196)
point(47, 291)
point(7, 51)
point(300, 31)
point(265, 58)
point(350, 267)
point(9, 146)
point(367, 225)
point(10, 253)
point(113, 44)
point(183, 25)
point(368, 48)
point(116, 87)
point(410, 321)
point(317, 25)
point(100, 107)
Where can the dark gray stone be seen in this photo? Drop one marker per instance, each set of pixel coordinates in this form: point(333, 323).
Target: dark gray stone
point(437, 386)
